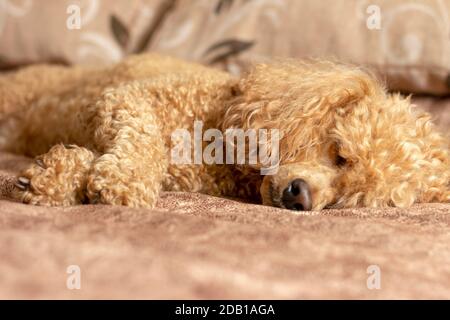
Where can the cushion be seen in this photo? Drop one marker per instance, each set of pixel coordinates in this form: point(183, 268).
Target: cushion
point(406, 42)
point(75, 32)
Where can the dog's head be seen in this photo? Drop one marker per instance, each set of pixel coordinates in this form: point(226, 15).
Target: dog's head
point(345, 141)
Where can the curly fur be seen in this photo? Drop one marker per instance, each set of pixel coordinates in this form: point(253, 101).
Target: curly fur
point(118, 122)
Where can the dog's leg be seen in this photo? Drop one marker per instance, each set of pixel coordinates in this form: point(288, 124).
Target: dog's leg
point(57, 178)
point(133, 161)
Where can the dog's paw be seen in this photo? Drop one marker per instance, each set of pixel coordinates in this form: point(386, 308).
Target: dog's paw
point(39, 185)
point(117, 192)
point(57, 178)
point(110, 183)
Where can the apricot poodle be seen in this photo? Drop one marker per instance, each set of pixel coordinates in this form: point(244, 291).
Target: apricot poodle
point(103, 135)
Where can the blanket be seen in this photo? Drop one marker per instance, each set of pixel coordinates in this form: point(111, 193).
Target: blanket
point(193, 246)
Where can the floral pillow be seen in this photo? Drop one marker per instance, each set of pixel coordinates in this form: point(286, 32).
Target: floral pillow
point(76, 32)
point(406, 42)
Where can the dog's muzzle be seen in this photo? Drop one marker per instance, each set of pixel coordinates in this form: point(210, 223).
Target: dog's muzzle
point(297, 196)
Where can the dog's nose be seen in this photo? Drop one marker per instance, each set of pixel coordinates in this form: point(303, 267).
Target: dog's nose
point(297, 196)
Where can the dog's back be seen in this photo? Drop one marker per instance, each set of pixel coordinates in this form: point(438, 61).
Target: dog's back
point(51, 94)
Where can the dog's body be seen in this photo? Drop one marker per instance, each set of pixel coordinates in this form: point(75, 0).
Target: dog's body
point(104, 135)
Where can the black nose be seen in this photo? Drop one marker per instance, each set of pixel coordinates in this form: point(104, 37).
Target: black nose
point(297, 196)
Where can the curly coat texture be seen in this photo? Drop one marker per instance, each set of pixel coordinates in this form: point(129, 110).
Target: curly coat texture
point(104, 135)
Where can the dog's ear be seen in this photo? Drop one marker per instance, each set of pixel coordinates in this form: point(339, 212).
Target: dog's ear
point(397, 156)
point(429, 151)
point(297, 98)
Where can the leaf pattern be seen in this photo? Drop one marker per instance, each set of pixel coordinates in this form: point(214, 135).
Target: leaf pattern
point(226, 49)
point(120, 31)
point(221, 5)
point(164, 9)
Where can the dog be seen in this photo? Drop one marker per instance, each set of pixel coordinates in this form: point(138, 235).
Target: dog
point(103, 135)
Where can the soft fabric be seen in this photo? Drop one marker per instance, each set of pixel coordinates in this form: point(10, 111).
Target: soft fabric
point(76, 32)
point(195, 246)
point(409, 46)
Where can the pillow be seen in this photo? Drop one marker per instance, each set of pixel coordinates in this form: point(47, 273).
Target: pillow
point(76, 32)
point(406, 42)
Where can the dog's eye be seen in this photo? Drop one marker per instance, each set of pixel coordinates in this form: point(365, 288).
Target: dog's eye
point(340, 161)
